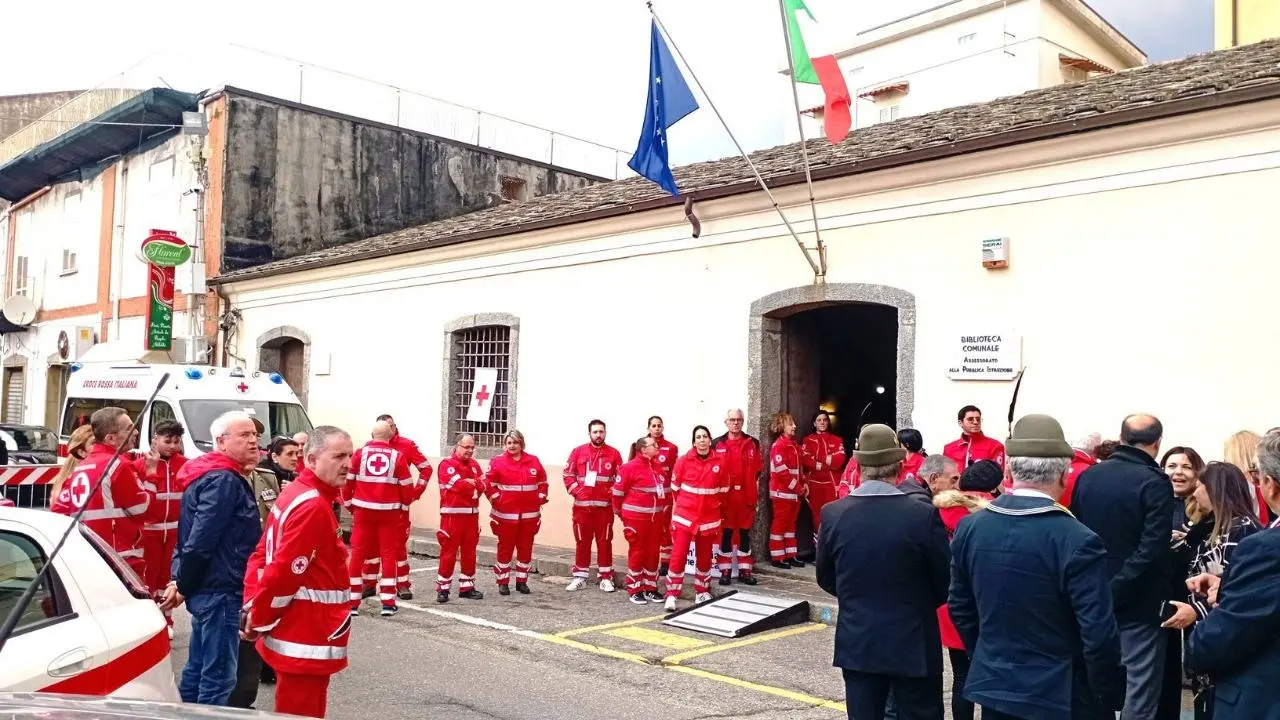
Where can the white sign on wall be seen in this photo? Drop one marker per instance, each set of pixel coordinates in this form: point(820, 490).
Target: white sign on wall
point(483, 389)
point(985, 354)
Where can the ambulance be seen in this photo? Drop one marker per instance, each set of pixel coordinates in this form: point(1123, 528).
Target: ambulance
point(194, 395)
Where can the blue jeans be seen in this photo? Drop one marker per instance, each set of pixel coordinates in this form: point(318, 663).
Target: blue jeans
point(210, 673)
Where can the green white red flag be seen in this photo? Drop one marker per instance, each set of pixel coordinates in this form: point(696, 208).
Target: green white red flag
point(824, 71)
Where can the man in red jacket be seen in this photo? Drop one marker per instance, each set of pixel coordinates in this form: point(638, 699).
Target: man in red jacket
point(460, 486)
point(410, 450)
point(973, 445)
point(297, 588)
point(742, 465)
point(378, 489)
point(117, 511)
point(589, 477)
point(158, 470)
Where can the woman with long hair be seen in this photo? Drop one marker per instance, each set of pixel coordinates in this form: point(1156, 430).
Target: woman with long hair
point(699, 482)
point(77, 448)
point(1241, 450)
point(786, 487)
point(1183, 465)
point(638, 500)
point(823, 459)
point(666, 457)
point(1224, 497)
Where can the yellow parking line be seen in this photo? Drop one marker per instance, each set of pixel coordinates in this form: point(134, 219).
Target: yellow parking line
point(788, 632)
point(771, 690)
point(609, 626)
point(588, 647)
point(659, 638)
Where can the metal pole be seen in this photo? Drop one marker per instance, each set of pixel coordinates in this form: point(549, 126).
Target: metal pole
point(804, 146)
point(736, 144)
point(479, 114)
point(552, 159)
point(300, 71)
point(398, 107)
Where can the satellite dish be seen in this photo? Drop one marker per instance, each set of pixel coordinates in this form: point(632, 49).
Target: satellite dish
point(19, 310)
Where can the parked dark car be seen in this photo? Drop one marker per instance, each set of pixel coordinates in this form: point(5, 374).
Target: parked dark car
point(29, 445)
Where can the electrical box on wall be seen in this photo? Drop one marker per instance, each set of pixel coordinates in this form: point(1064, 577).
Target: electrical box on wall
point(995, 253)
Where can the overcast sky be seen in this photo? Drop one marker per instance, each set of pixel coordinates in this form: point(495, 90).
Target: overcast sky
point(576, 66)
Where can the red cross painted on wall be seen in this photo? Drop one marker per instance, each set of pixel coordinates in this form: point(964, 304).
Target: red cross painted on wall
point(242, 387)
point(482, 395)
point(377, 464)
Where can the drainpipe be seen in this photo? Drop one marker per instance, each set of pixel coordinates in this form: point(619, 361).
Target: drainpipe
point(117, 252)
point(223, 302)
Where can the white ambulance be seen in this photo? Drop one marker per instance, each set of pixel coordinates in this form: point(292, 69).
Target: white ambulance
point(194, 395)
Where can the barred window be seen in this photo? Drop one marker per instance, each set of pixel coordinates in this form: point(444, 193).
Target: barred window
point(486, 346)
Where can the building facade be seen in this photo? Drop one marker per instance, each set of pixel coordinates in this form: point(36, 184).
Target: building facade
point(1125, 286)
point(265, 181)
point(1240, 22)
point(969, 51)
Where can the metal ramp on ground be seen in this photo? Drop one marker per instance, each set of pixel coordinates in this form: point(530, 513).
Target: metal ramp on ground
point(736, 614)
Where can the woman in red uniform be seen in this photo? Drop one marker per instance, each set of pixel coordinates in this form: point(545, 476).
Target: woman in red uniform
point(639, 498)
point(786, 487)
point(516, 486)
point(698, 483)
point(823, 459)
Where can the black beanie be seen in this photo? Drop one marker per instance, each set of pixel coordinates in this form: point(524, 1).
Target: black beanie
point(982, 476)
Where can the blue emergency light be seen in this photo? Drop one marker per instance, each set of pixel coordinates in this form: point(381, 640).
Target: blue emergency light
point(275, 378)
point(194, 374)
point(75, 366)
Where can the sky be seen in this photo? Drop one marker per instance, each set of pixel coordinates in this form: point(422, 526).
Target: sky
point(579, 67)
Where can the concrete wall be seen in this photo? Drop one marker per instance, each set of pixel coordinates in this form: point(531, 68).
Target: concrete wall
point(300, 179)
point(17, 111)
point(1089, 219)
point(1254, 20)
point(1065, 35)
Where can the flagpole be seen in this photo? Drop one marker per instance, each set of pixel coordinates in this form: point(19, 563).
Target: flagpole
point(804, 146)
point(816, 270)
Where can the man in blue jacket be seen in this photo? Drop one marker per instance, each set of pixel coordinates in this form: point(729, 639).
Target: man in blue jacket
point(1238, 642)
point(218, 529)
point(1030, 597)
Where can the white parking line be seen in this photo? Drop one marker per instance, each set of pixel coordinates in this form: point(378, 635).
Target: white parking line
point(419, 570)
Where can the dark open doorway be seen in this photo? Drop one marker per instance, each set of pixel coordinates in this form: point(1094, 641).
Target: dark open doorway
point(842, 358)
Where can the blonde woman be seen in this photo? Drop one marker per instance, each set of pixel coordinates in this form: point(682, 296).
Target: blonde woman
point(77, 448)
point(1241, 450)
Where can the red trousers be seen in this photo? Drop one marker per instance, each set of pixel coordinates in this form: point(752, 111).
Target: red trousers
point(681, 538)
point(458, 534)
point(402, 554)
point(593, 526)
point(782, 533)
point(375, 534)
point(741, 549)
point(514, 537)
point(305, 695)
point(157, 553)
point(664, 536)
point(819, 495)
point(642, 535)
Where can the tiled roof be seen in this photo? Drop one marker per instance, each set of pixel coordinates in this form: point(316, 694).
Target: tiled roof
point(1236, 75)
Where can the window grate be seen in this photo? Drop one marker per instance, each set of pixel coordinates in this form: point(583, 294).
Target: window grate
point(488, 346)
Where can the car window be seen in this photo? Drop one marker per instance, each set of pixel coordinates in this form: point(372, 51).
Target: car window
point(128, 577)
point(279, 418)
point(20, 561)
point(31, 438)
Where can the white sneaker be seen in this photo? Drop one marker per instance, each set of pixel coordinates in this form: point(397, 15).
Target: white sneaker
point(577, 584)
point(702, 597)
point(670, 604)
point(607, 586)
point(170, 632)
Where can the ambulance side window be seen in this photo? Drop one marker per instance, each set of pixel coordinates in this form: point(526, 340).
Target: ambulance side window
point(79, 409)
point(161, 411)
point(20, 560)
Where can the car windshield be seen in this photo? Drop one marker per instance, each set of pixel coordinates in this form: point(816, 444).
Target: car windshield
point(32, 439)
point(279, 418)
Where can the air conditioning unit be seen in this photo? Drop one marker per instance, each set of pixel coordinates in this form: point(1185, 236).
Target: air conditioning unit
point(181, 346)
point(85, 338)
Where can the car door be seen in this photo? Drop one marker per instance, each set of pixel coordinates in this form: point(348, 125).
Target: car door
point(57, 645)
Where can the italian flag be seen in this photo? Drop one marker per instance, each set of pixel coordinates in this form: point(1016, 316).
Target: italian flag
point(824, 71)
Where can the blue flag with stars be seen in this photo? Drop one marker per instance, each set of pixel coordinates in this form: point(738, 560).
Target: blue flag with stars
point(669, 101)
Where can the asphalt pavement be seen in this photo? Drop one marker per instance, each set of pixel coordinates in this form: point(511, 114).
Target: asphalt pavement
point(555, 654)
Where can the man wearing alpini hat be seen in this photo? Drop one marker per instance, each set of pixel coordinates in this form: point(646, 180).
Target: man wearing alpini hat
point(1031, 597)
point(884, 555)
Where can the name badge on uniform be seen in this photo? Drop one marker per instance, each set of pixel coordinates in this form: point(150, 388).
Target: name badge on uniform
point(590, 480)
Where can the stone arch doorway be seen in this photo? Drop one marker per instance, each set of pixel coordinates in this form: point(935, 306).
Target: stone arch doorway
point(831, 346)
point(287, 350)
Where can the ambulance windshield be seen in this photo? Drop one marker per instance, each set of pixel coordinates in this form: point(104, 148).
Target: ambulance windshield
point(278, 418)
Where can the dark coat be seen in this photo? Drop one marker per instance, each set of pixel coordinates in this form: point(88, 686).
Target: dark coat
point(1128, 501)
point(1029, 595)
point(1238, 643)
point(218, 529)
point(885, 555)
point(916, 488)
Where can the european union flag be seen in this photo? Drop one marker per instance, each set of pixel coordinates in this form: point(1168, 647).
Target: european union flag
point(669, 101)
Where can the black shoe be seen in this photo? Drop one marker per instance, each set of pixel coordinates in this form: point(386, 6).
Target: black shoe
point(471, 594)
point(662, 570)
point(504, 589)
point(442, 596)
point(725, 579)
point(781, 565)
point(655, 597)
point(747, 579)
point(523, 588)
point(368, 593)
point(389, 610)
point(267, 676)
point(797, 563)
point(639, 598)
point(405, 594)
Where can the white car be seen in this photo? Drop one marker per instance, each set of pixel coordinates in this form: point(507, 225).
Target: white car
point(92, 629)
